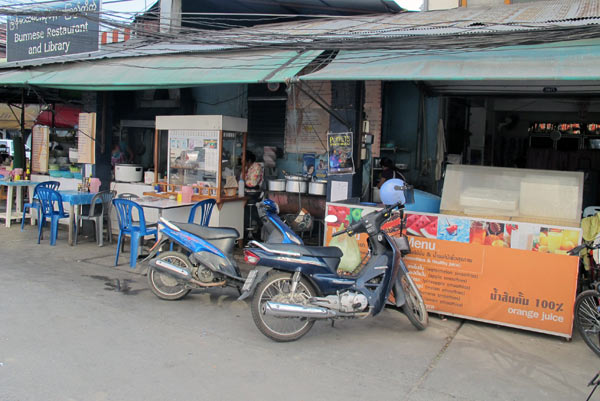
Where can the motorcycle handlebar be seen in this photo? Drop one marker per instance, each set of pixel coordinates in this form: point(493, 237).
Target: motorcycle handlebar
point(356, 226)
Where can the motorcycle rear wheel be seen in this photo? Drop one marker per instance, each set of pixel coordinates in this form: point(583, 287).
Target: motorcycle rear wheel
point(414, 308)
point(164, 286)
point(275, 287)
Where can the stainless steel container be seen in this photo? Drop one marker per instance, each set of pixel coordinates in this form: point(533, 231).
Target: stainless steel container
point(317, 187)
point(276, 185)
point(296, 184)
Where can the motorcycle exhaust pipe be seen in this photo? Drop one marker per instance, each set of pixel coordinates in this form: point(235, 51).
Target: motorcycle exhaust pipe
point(180, 273)
point(289, 310)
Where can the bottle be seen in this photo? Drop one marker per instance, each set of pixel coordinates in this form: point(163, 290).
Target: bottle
point(241, 188)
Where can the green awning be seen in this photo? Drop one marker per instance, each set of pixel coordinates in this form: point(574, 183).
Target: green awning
point(575, 60)
point(168, 71)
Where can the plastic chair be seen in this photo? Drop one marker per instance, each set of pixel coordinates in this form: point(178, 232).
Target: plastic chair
point(51, 206)
point(206, 206)
point(100, 208)
point(34, 204)
point(590, 211)
point(136, 229)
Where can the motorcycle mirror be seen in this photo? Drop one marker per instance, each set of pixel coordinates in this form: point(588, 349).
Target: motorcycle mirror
point(331, 218)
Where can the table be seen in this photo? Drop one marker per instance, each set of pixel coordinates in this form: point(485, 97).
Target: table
point(160, 204)
point(11, 185)
point(75, 198)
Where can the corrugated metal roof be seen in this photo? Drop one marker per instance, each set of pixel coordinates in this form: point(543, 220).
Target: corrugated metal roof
point(370, 30)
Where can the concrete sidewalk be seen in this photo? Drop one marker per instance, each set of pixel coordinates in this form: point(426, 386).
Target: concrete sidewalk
point(72, 327)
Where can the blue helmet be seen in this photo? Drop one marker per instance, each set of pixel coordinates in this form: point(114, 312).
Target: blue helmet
point(396, 191)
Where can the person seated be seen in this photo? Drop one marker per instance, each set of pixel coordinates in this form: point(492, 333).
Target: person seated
point(389, 171)
point(253, 177)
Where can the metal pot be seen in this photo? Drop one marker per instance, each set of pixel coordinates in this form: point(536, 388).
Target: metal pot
point(318, 187)
point(296, 184)
point(276, 185)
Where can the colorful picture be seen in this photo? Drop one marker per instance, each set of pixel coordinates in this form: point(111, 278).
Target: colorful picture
point(210, 143)
point(453, 229)
point(308, 165)
point(555, 240)
point(339, 150)
point(488, 233)
point(421, 225)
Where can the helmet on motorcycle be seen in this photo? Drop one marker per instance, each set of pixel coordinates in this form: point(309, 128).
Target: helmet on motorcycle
point(396, 191)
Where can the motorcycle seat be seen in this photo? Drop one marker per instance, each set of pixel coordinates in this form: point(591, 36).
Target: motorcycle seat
point(330, 254)
point(221, 237)
point(208, 233)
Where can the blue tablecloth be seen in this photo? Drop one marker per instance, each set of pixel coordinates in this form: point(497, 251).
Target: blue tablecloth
point(21, 183)
point(77, 198)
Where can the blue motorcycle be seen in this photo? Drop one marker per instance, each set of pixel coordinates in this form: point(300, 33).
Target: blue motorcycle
point(295, 285)
point(206, 256)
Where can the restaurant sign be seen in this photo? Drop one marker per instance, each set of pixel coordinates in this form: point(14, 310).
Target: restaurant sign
point(69, 27)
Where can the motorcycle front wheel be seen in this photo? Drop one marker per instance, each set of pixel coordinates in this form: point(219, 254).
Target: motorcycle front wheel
point(277, 288)
point(165, 286)
point(414, 308)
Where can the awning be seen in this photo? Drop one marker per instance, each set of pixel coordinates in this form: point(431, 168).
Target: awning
point(10, 116)
point(169, 71)
point(64, 117)
point(575, 60)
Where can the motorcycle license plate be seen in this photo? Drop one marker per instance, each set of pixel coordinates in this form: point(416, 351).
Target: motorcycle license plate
point(249, 280)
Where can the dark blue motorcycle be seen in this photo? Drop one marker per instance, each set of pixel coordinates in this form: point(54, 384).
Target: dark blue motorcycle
point(295, 285)
point(205, 258)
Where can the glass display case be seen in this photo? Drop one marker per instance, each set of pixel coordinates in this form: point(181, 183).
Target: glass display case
point(546, 196)
point(204, 152)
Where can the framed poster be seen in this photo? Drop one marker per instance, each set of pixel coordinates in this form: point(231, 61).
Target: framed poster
point(339, 151)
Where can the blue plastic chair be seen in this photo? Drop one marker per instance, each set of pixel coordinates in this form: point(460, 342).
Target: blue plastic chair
point(51, 206)
point(127, 226)
point(206, 206)
point(35, 203)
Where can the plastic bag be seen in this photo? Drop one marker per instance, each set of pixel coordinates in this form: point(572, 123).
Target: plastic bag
point(351, 253)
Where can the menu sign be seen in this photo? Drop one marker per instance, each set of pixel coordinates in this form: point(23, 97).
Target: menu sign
point(39, 148)
point(60, 29)
point(86, 138)
point(508, 273)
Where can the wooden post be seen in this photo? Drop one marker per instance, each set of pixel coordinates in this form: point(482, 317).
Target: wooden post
point(219, 167)
point(156, 156)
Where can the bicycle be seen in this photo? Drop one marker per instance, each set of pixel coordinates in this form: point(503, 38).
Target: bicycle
point(587, 303)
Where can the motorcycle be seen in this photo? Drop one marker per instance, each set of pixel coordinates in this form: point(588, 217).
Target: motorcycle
point(206, 256)
point(295, 285)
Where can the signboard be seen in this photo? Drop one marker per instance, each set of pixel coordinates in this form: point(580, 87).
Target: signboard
point(60, 29)
point(86, 138)
point(339, 151)
point(502, 272)
point(39, 148)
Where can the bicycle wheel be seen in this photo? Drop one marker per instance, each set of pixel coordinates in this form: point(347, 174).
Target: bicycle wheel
point(587, 318)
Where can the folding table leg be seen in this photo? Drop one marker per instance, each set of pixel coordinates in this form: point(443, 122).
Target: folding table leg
point(9, 196)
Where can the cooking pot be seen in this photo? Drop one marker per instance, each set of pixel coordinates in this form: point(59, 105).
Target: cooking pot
point(276, 185)
point(317, 187)
point(128, 172)
point(296, 183)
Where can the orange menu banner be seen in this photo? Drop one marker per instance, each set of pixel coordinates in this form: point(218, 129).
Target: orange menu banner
point(486, 270)
point(506, 286)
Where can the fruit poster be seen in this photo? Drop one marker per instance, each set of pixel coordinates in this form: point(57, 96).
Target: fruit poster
point(502, 272)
